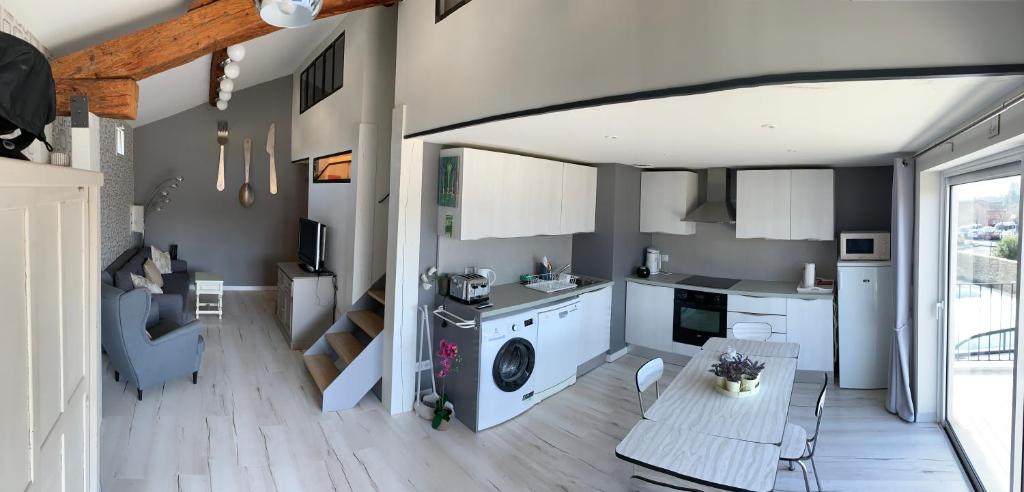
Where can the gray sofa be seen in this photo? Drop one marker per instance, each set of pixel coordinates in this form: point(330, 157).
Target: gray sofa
point(144, 347)
point(176, 284)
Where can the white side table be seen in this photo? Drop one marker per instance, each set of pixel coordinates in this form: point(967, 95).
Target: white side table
point(209, 284)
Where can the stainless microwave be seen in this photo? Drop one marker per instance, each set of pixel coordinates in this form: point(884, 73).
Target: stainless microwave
point(868, 245)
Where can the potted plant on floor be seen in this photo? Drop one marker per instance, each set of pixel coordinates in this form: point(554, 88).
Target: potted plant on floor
point(448, 359)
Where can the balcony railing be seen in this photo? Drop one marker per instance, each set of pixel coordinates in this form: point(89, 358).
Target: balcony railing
point(985, 319)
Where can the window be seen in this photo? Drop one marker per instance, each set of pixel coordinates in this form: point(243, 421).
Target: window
point(446, 7)
point(324, 76)
point(334, 168)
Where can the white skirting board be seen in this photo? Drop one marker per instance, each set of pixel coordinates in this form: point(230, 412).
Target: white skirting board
point(614, 356)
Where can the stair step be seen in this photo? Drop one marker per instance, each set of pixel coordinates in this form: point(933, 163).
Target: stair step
point(378, 295)
point(323, 370)
point(370, 322)
point(345, 345)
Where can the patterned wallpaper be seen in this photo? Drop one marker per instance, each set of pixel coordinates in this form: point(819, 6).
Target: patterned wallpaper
point(118, 192)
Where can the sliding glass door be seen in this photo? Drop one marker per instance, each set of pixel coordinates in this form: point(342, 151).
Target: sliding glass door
point(983, 251)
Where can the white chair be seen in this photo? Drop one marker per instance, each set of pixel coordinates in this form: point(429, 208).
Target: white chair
point(752, 331)
point(648, 374)
point(797, 447)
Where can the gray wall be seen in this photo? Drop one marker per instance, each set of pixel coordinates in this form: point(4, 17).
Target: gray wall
point(213, 231)
point(863, 197)
point(615, 248)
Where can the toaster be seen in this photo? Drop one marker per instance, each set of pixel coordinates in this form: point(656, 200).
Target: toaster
point(469, 288)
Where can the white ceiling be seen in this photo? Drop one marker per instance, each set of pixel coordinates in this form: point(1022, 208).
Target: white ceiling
point(64, 26)
point(831, 123)
point(267, 58)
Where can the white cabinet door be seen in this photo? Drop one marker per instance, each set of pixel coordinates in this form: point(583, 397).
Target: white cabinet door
point(579, 198)
point(557, 330)
point(763, 204)
point(480, 188)
point(809, 323)
point(665, 198)
point(812, 205)
point(535, 197)
point(596, 327)
point(649, 311)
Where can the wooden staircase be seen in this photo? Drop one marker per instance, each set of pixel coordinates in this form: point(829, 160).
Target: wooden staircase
point(346, 362)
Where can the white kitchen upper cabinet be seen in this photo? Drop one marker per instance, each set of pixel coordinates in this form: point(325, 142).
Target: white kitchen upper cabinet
point(596, 325)
point(649, 314)
point(579, 198)
point(810, 324)
point(763, 203)
point(812, 205)
point(665, 198)
point(505, 195)
point(479, 184)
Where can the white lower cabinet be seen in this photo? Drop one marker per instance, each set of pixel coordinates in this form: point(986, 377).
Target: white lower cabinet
point(649, 312)
point(595, 325)
point(809, 323)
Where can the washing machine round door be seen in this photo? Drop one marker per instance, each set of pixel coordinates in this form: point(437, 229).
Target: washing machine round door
point(514, 364)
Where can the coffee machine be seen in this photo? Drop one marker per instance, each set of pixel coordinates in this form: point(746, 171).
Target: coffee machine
point(653, 261)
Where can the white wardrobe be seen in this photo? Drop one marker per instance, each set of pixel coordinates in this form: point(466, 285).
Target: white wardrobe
point(49, 341)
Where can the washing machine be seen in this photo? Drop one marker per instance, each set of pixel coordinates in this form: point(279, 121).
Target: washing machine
point(508, 356)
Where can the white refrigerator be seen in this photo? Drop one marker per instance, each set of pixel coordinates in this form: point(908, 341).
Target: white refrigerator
point(867, 318)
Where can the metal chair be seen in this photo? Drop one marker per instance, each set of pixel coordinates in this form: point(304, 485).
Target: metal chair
point(648, 374)
point(797, 447)
point(752, 331)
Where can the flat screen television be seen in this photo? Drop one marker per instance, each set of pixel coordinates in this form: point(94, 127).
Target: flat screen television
point(312, 243)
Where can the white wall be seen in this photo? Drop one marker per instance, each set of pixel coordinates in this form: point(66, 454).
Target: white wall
point(496, 56)
point(359, 113)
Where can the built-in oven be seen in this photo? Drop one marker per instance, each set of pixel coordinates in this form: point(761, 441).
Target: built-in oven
point(699, 316)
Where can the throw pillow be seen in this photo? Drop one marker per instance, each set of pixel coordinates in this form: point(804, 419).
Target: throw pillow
point(153, 273)
point(141, 282)
point(161, 260)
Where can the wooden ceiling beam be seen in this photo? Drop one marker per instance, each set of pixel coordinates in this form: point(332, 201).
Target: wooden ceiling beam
point(195, 4)
point(216, 71)
point(109, 98)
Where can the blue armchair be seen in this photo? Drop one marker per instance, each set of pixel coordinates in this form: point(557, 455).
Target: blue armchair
point(143, 347)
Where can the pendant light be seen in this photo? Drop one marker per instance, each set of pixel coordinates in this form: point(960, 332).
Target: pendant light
point(288, 13)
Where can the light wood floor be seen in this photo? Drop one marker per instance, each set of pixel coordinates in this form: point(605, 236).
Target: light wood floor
point(253, 423)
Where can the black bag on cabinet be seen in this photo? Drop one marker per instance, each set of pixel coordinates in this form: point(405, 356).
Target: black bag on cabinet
point(28, 100)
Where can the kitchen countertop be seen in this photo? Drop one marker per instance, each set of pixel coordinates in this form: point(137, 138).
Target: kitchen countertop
point(510, 298)
point(756, 288)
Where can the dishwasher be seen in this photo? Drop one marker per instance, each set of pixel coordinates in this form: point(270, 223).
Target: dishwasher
point(558, 333)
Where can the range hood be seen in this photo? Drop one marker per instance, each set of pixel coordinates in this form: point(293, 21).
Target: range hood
point(716, 208)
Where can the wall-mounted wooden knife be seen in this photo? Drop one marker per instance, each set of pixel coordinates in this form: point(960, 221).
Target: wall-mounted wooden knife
point(273, 165)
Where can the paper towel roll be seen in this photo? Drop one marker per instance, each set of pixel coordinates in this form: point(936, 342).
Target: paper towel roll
point(808, 275)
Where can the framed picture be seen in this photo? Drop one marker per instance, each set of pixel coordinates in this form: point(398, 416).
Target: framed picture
point(334, 168)
point(448, 182)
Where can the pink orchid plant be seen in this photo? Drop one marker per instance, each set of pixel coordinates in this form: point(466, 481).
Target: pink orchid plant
point(448, 360)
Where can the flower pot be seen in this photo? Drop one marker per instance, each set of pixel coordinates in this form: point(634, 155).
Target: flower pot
point(425, 407)
point(443, 425)
point(720, 381)
point(732, 386)
point(748, 384)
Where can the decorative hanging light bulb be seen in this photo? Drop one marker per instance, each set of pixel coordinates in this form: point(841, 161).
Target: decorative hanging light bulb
point(227, 85)
point(236, 52)
point(222, 105)
point(232, 70)
point(287, 7)
point(224, 95)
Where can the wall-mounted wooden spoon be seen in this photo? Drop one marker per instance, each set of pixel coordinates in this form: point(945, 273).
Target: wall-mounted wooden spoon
point(245, 194)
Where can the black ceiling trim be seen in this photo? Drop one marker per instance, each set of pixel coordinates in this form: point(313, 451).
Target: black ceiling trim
point(746, 82)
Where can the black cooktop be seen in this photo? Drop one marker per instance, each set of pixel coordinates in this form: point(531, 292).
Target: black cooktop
point(709, 282)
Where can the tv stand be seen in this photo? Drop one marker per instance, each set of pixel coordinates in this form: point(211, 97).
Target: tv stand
point(305, 303)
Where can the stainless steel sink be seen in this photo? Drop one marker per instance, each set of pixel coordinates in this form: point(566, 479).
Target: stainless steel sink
point(586, 282)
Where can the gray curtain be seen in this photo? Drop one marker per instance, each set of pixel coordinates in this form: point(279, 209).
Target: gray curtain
point(899, 400)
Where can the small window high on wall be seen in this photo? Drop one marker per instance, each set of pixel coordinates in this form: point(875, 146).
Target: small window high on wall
point(446, 7)
point(334, 168)
point(324, 76)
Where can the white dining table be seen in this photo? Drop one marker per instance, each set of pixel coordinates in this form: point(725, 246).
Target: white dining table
point(696, 434)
